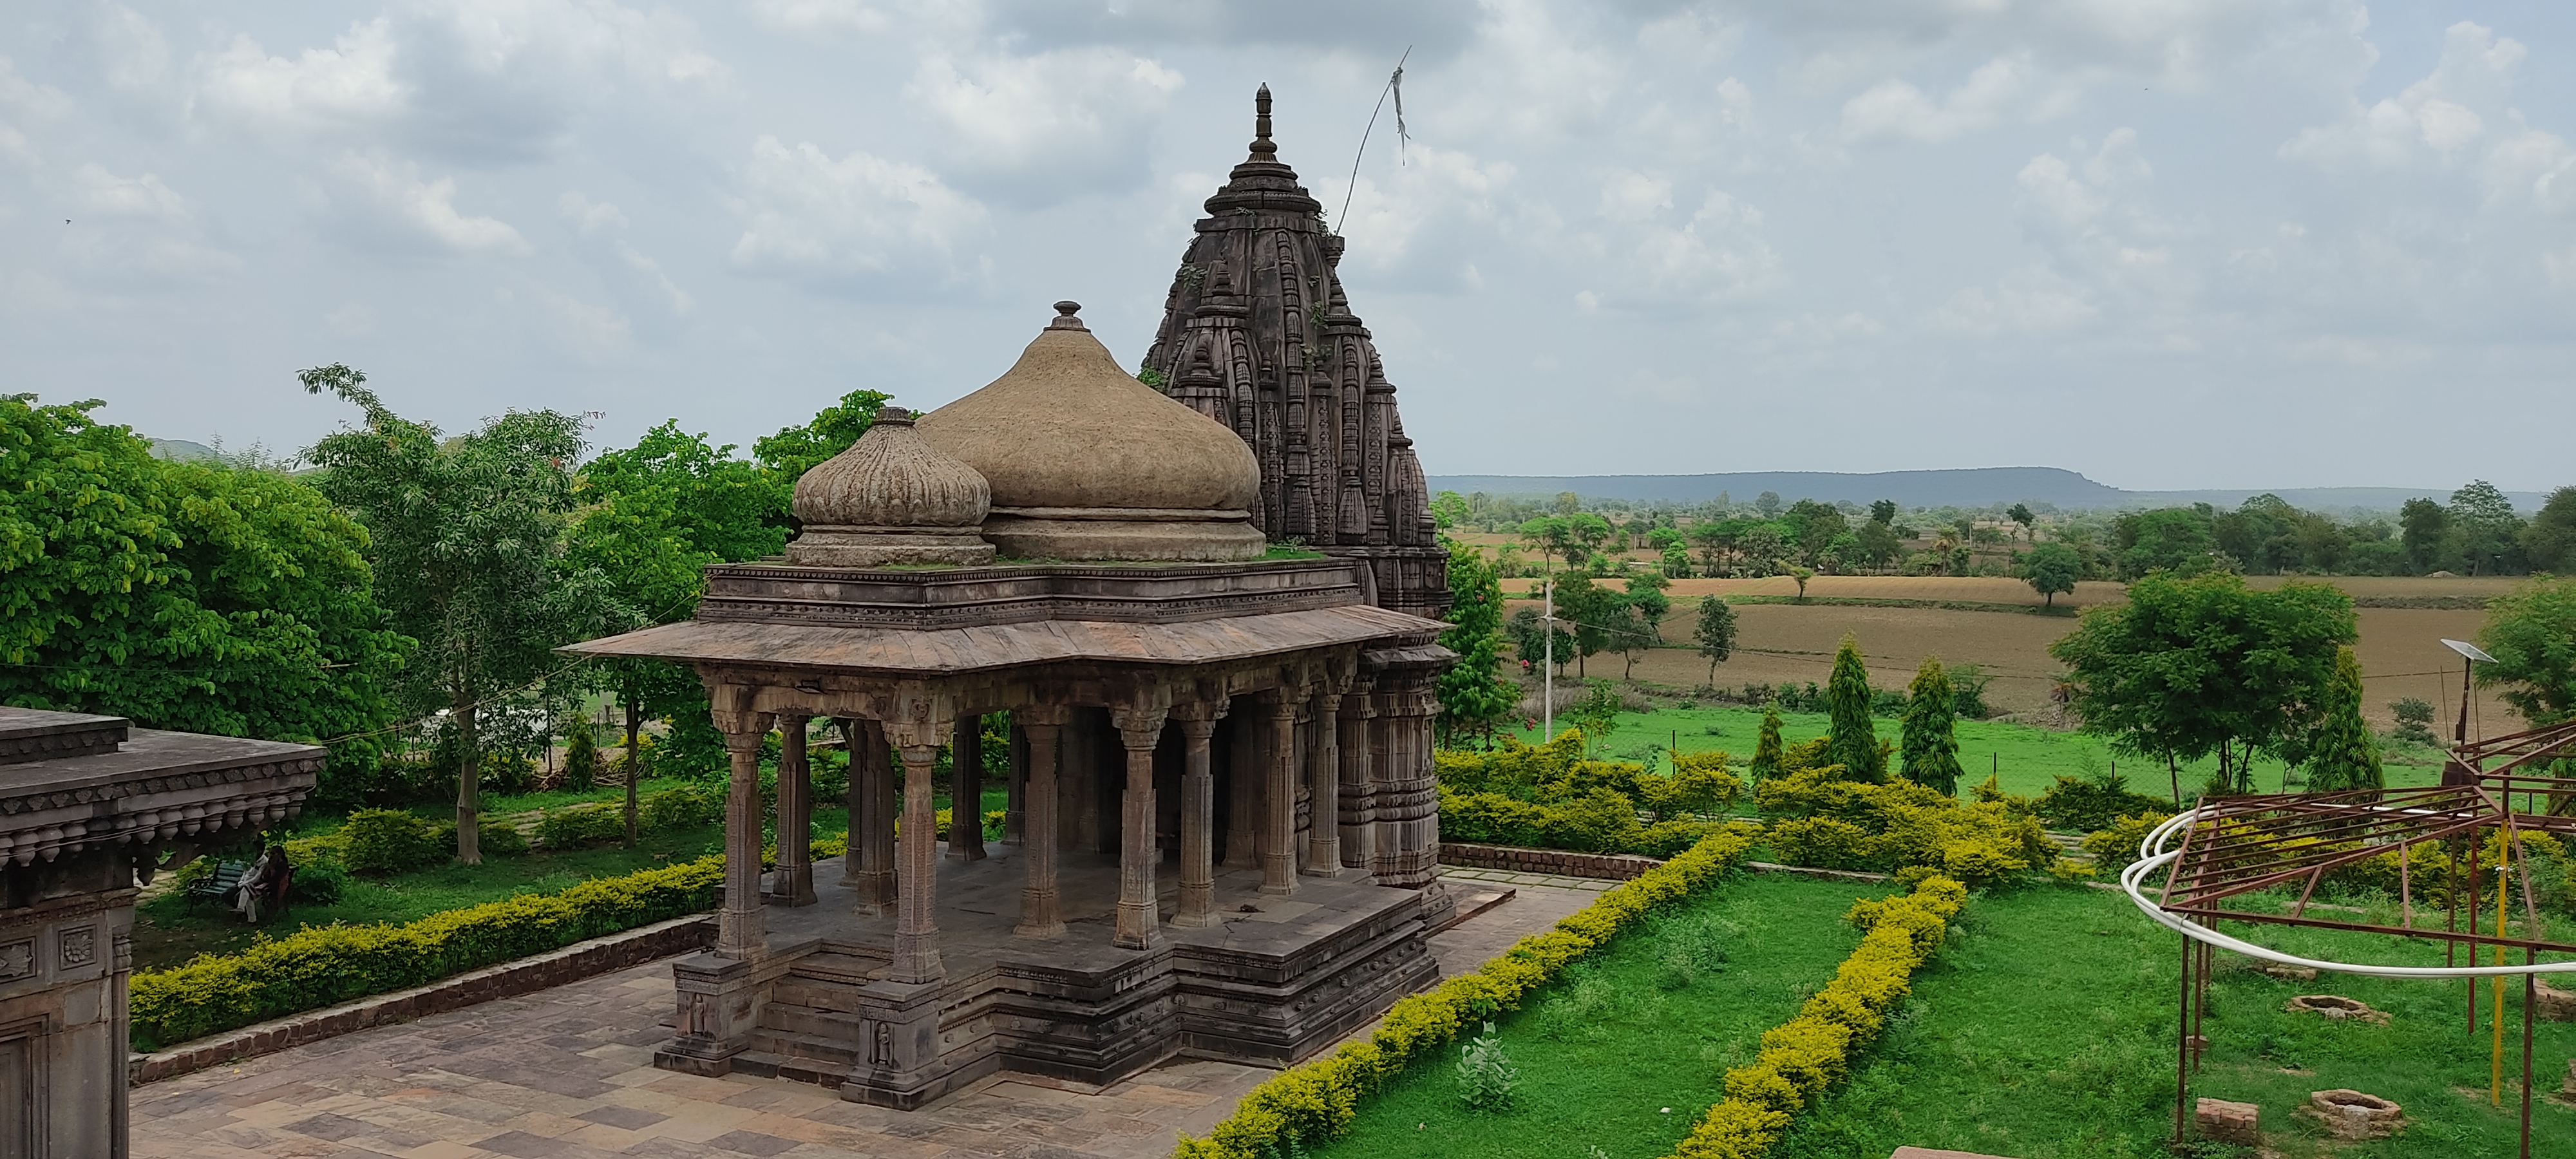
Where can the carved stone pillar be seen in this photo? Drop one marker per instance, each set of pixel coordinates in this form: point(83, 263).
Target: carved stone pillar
point(868, 868)
point(1245, 773)
point(1324, 781)
point(738, 924)
point(1357, 809)
point(1198, 816)
point(793, 883)
point(1139, 926)
point(1279, 798)
point(1042, 729)
point(966, 791)
point(1408, 824)
point(916, 929)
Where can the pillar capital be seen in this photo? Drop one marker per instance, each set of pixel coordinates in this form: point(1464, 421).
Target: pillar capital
point(1140, 728)
point(742, 729)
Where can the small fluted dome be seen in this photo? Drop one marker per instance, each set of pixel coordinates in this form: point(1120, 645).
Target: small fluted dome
point(1085, 462)
point(890, 498)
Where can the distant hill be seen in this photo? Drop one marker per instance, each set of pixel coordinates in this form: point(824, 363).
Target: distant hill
point(1968, 487)
point(181, 450)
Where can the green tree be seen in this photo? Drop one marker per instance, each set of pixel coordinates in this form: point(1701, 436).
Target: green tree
point(2021, 514)
point(1847, 698)
point(2425, 529)
point(1883, 512)
point(1529, 635)
point(466, 534)
point(2052, 569)
point(1766, 746)
point(795, 450)
point(1930, 741)
point(1715, 633)
point(1473, 697)
point(1599, 618)
point(186, 595)
point(1552, 535)
point(2344, 754)
point(581, 757)
point(2196, 665)
point(1878, 543)
point(651, 518)
point(2176, 539)
point(2532, 635)
point(1767, 503)
point(1802, 575)
point(2490, 532)
point(1448, 509)
point(2549, 542)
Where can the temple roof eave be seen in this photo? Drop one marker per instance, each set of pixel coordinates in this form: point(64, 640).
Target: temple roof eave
point(939, 652)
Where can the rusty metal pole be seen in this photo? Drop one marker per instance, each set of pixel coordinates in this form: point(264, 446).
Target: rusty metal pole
point(2182, 1042)
point(2530, 997)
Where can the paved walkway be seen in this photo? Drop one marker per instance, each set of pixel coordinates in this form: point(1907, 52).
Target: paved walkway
point(568, 1073)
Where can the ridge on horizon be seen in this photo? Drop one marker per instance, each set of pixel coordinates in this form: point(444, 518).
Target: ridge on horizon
point(1935, 487)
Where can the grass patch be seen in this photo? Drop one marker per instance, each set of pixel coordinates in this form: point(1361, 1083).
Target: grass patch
point(2066, 610)
point(1650, 1022)
point(2045, 1030)
point(2027, 758)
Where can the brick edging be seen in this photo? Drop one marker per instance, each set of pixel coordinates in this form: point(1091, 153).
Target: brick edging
point(1562, 862)
point(553, 968)
point(1607, 866)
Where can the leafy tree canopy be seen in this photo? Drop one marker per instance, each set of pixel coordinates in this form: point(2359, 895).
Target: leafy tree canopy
point(185, 595)
point(1473, 698)
point(2052, 569)
point(2532, 635)
point(2192, 665)
point(794, 450)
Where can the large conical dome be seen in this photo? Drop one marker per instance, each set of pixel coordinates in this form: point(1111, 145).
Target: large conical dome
point(1085, 462)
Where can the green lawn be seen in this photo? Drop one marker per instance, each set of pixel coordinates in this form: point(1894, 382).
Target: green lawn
point(2025, 757)
point(1650, 1023)
point(2045, 1030)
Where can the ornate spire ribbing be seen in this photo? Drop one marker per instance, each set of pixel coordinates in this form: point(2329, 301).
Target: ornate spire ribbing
point(1258, 335)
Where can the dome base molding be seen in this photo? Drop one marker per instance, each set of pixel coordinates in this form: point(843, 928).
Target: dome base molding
point(1080, 533)
point(879, 546)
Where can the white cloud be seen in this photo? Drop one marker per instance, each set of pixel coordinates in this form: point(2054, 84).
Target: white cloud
point(592, 332)
point(1719, 253)
point(345, 86)
point(811, 215)
point(1034, 129)
point(384, 192)
point(589, 217)
point(106, 194)
point(26, 105)
point(1895, 109)
point(2026, 300)
point(2434, 120)
point(820, 16)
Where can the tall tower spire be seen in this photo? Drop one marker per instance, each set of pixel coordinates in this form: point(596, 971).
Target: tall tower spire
point(1258, 335)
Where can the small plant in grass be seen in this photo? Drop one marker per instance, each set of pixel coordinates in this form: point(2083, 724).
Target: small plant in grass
point(581, 758)
point(1485, 1075)
point(2414, 720)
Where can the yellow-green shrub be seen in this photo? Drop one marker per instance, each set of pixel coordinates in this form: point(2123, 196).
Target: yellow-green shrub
point(1812, 1051)
point(2116, 848)
point(1837, 824)
point(1314, 1101)
point(323, 965)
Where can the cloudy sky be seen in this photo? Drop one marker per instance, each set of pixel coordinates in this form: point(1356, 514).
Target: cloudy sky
point(2168, 243)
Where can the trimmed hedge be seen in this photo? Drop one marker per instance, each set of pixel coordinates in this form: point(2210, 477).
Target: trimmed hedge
point(1314, 1101)
point(324, 965)
point(1812, 1051)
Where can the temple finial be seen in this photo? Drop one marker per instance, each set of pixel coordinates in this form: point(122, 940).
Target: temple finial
point(1262, 148)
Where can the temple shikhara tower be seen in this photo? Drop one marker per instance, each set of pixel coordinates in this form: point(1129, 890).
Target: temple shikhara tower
point(1257, 335)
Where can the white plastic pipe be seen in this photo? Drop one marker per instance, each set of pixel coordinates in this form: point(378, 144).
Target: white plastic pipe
point(2154, 856)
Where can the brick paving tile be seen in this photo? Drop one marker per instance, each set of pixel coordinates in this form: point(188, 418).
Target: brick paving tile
point(751, 1143)
point(631, 1118)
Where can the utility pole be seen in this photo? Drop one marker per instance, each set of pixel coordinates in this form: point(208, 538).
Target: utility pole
point(1547, 697)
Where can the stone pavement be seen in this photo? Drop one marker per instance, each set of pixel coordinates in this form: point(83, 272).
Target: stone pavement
point(567, 1073)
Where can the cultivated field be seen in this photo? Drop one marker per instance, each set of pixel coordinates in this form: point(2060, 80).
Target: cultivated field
point(2400, 649)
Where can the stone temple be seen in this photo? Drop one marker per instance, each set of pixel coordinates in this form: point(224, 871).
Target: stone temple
point(1222, 839)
